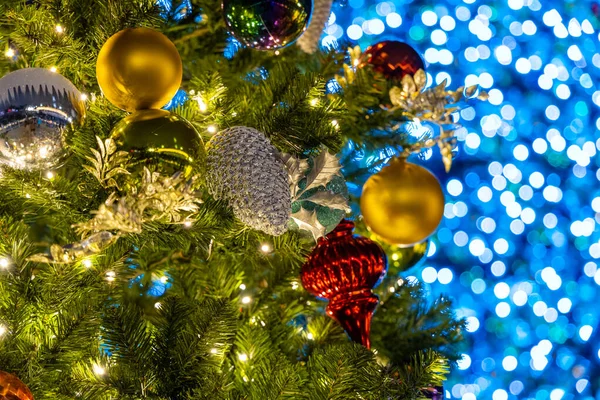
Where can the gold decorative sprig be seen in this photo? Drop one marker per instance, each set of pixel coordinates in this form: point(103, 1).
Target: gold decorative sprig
point(107, 163)
point(170, 200)
point(73, 252)
point(434, 106)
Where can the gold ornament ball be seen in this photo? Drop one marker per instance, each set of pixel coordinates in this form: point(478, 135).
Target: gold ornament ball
point(138, 69)
point(11, 388)
point(160, 140)
point(403, 203)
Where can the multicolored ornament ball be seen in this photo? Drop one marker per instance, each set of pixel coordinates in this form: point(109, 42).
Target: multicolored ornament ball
point(267, 24)
point(138, 69)
point(343, 268)
point(403, 203)
point(36, 107)
point(11, 388)
point(393, 59)
point(160, 140)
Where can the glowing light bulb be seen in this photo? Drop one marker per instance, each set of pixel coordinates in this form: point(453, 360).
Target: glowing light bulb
point(4, 263)
point(314, 102)
point(83, 97)
point(243, 357)
point(10, 53)
point(202, 106)
point(212, 129)
point(99, 370)
point(49, 174)
point(87, 263)
point(246, 299)
point(213, 351)
point(53, 69)
point(59, 28)
point(2, 330)
point(310, 336)
point(158, 305)
point(243, 287)
point(110, 276)
point(265, 248)
point(188, 224)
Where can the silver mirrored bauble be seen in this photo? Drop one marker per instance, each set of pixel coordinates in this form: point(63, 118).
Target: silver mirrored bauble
point(36, 106)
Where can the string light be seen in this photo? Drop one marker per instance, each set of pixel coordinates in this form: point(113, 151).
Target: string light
point(158, 305)
point(98, 370)
point(164, 279)
point(211, 129)
point(202, 106)
point(314, 102)
point(50, 175)
point(246, 299)
point(59, 28)
point(87, 263)
point(83, 97)
point(188, 224)
point(10, 53)
point(295, 285)
point(243, 357)
point(111, 276)
point(310, 336)
point(335, 124)
point(53, 69)
point(242, 286)
point(4, 262)
point(266, 248)
point(213, 351)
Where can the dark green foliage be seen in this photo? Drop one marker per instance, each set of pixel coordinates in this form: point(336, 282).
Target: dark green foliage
point(97, 329)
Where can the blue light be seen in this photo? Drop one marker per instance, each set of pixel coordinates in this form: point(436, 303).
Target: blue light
point(518, 247)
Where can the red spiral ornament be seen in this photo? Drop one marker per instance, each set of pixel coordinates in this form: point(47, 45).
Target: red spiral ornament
point(343, 268)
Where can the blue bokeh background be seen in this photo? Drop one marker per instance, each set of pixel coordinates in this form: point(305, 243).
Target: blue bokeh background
point(517, 249)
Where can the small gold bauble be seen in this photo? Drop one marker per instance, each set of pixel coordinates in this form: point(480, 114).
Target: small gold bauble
point(403, 203)
point(138, 69)
point(160, 140)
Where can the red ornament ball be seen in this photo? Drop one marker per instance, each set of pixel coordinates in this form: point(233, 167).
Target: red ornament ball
point(11, 388)
point(343, 268)
point(393, 59)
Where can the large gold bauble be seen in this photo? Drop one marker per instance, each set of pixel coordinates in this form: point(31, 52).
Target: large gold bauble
point(138, 69)
point(160, 140)
point(403, 203)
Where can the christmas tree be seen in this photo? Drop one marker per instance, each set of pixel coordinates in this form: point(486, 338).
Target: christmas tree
point(174, 251)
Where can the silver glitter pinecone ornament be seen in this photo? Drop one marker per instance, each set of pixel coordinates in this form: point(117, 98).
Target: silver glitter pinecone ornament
point(245, 169)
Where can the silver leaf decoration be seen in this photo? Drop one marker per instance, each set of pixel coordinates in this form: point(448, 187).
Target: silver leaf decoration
point(329, 199)
point(325, 166)
point(296, 169)
point(307, 220)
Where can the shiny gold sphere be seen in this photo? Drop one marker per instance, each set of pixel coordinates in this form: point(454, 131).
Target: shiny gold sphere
point(138, 69)
point(161, 141)
point(403, 203)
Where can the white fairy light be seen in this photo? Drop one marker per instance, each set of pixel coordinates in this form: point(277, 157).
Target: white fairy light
point(265, 248)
